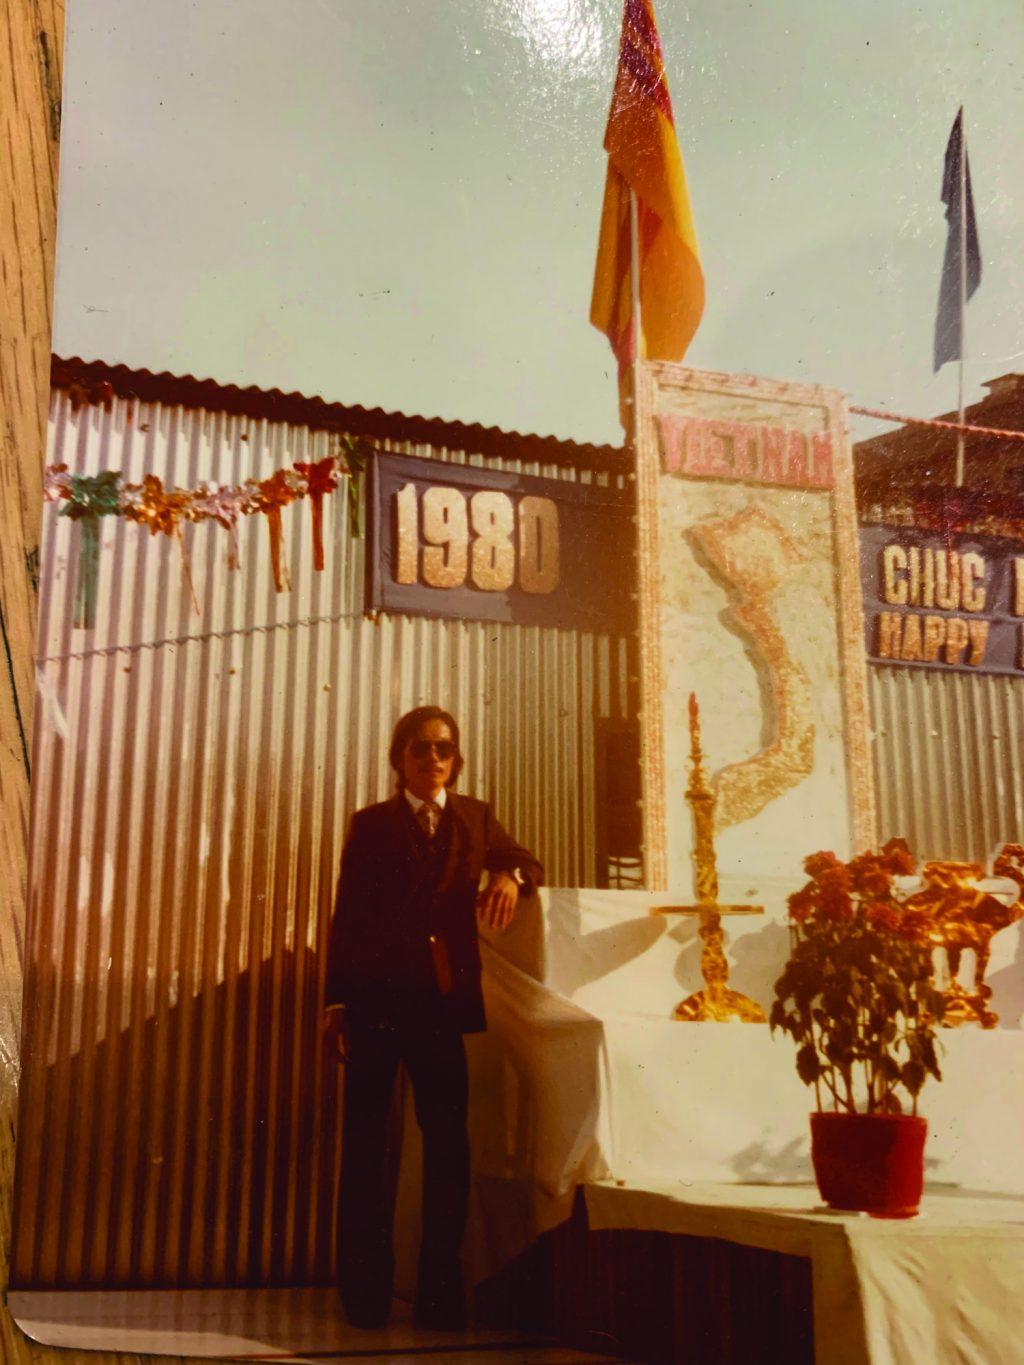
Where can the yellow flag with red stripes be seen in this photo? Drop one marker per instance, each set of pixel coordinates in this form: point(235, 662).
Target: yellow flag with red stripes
point(643, 155)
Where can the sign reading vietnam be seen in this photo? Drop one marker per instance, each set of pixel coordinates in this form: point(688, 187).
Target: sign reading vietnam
point(718, 447)
point(946, 605)
point(750, 599)
point(474, 544)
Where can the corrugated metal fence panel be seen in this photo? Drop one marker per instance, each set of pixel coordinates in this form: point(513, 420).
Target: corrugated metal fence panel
point(178, 1122)
point(949, 760)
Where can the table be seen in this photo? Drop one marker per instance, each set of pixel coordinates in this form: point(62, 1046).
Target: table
point(943, 1288)
point(701, 1129)
point(584, 1074)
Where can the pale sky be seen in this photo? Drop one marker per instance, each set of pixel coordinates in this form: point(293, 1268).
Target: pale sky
point(396, 203)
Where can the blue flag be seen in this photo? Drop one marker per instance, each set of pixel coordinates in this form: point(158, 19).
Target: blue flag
point(948, 340)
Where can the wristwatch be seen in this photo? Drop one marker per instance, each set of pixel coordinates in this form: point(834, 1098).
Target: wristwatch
point(520, 879)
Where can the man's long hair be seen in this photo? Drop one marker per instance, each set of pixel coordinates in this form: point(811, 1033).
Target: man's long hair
point(405, 731)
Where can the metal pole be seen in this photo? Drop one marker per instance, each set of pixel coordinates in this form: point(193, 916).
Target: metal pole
point(634, 284)
point(963, 295)
point(651, 741)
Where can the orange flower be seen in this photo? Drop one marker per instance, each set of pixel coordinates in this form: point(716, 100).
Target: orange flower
point(897, 858)
point(870, 880)
point(834, 901)
point(883, 917)
point(818, 863)
point(801, 903)
point(914, 924)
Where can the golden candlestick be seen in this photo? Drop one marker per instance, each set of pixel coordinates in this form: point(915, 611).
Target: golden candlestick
point(716, 1002)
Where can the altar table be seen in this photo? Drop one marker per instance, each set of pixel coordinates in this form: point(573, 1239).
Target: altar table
point(584, 1079)
point(584, 1074)
point(945, 1287)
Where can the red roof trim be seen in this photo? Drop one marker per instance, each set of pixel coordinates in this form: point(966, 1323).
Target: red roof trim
point(97, 382)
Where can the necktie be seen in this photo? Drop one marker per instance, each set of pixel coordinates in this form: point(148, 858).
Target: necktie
point(429, 816)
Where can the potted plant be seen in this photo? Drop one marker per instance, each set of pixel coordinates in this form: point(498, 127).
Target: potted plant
point(857, 997)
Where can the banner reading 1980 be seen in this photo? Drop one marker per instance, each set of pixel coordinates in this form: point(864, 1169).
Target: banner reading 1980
point(454, 540)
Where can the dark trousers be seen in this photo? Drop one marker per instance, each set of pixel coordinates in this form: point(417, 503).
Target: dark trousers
point(435, 1058)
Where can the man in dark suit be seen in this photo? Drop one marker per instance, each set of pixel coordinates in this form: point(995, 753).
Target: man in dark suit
point(403, 986)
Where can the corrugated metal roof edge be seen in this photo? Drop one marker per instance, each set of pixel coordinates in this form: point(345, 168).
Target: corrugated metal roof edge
point(95, 381)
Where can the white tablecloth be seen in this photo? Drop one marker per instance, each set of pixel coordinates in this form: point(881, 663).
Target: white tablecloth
point(585, 1079)
point(941, 1289)
point(602, 1080)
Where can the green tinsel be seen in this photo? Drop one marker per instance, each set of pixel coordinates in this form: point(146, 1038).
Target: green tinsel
point(92, 496)
point(356, 453)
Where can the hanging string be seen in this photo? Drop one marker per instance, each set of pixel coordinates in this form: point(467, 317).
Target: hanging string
point(938, 422)
point(170, 642)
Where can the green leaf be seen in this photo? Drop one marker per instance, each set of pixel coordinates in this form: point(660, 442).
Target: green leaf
point(913, 1076)
point(808, 1066)
point(890, 1068)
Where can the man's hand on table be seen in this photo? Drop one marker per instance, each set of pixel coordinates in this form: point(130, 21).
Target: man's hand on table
point(335, 1033)
point(496, 903)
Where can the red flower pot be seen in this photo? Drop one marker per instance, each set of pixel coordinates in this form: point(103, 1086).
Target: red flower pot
point(872, 1163)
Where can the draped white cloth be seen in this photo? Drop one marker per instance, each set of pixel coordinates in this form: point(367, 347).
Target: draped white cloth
point(580, 996)
point(584, 1078)
point(944, 1288)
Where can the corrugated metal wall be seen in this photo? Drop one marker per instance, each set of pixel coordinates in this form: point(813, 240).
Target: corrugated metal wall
point(949, 760)
point(178, 1121)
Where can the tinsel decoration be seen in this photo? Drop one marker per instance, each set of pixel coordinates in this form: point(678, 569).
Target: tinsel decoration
point(355, 454)
point(274, 493)
point(89, 497)
point(321, 478)
point(165, 509)
point(951, 512)
point(224, 505)
point(161, 509)
point(956, 511)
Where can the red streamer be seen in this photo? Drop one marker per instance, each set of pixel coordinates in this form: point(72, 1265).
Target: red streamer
point(275, 493)
point(321, 478)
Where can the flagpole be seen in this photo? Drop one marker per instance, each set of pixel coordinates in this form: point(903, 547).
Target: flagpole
point(634, 287)
point(963, 295)
point(647, 837)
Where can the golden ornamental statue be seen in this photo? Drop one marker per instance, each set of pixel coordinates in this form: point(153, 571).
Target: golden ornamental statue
point(716, 1002)
point(966, 909)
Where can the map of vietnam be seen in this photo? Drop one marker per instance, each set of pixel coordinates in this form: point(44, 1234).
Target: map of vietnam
point(753, 557)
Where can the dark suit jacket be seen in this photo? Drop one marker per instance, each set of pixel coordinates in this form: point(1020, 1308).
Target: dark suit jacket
point(396, 889)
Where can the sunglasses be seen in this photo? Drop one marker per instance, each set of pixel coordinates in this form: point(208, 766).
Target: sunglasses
point(444, 748)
